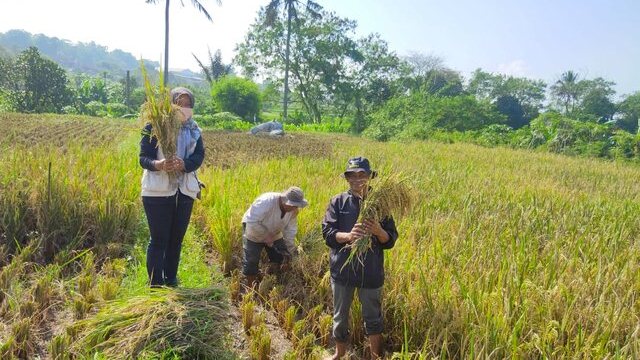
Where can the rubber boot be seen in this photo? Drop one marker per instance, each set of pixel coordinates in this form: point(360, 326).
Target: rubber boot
point(341, 350)
point(375, 344)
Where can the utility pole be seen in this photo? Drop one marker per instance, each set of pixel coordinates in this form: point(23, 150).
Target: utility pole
point(127, 91)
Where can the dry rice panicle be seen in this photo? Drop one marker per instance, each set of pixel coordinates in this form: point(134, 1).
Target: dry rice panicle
point(389, 196)
point(162, 114)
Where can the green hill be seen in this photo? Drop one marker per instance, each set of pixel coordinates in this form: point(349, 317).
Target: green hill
point(89, 58)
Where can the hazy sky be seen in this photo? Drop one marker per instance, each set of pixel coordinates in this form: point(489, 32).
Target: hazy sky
point(534, 38)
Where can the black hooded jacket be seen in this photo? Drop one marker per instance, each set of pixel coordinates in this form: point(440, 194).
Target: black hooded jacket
point(341, 215)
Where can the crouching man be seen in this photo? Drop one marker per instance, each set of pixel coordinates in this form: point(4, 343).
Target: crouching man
point(270, 223)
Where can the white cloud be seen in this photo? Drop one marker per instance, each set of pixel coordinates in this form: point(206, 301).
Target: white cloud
point(515, 68)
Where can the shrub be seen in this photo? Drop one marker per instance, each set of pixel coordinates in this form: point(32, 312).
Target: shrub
point(137, 98)
point(573, 137)
point(95, 108)
point(70, 109)
point(418, 115)
point(625, 145)
point(6, 101)
point(223, 121)
point(237, 95)
point(117, 109)
point(328, 125)
point(493, 135)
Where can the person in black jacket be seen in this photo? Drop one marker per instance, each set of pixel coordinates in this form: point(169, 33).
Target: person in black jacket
point(340, 227)
point(168, 200)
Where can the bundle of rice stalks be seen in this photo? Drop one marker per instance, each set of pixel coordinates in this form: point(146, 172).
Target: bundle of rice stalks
point(162, 114)
point(188, 322)
point(390, 196)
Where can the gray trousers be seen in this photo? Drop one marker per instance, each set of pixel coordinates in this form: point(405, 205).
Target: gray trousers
point(253, 251)
point(371, 304)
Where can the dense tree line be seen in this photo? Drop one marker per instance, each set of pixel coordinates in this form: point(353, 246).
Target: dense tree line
point(360, 79)
point(32, 83)
point(337, 77)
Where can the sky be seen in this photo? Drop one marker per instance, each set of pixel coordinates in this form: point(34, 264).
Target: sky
point(538, 39)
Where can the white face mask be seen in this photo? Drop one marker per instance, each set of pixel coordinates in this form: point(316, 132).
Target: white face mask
point(187, 112)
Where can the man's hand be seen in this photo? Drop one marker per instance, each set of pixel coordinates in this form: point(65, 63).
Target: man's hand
point(356, 233)
point(286, 263)
point(374, 228)
point(285, 266)
point(359, 230)
point(270, 239)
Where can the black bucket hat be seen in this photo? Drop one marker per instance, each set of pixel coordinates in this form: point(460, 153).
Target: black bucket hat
point(359, 163)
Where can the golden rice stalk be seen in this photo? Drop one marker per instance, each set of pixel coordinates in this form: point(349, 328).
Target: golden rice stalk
point(260, 343)
point(190, 322)
point(391, 196)
point(162, 114)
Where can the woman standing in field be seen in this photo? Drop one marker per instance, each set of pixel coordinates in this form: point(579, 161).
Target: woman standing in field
point(168, 200)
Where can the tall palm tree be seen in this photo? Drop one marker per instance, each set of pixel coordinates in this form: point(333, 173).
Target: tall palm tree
point(291, 12)
point(567, 89)
point(195, 4)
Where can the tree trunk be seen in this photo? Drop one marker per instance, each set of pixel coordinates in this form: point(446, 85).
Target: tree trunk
point(306, 101)
point(311, 105)
point(358, 118)
point(286, 67)
point(317, 116)
point(343, 110)
point(166, 43)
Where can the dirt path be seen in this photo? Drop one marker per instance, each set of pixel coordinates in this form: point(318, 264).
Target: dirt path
point(280, 344)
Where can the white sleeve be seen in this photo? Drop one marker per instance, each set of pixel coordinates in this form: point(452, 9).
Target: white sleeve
point(289, 234)
point(254, 218)
point(257, 212)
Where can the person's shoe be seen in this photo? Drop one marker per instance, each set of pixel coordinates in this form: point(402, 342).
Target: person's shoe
point(171, 283)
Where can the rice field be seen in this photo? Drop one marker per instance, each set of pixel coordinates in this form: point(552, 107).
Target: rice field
point(230, 149)
point(60, 130)
point(504, 254)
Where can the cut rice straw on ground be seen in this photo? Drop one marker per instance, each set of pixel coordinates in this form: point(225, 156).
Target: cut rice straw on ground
point(391, 196)
point(187, 322)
